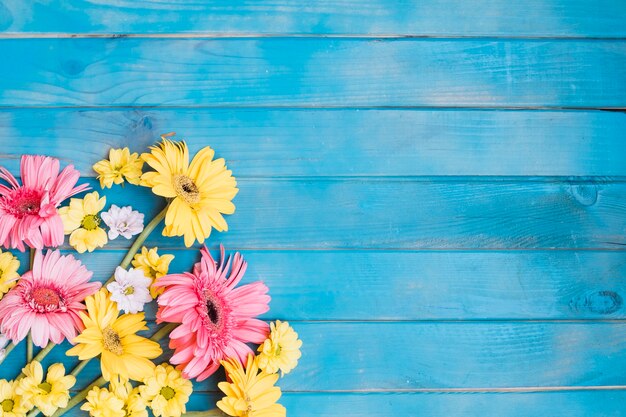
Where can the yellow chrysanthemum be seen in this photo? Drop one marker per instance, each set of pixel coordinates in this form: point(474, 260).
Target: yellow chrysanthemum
point(113, 337)
point(251, 393)
point(100, 402)
point(134, 403)
point(8, 272)
point(152, 265)
point(120, 165)
point(281, 350)
point(47, 395)
point(11, 403)
point(166, 391)
point(201, 191)
point(81, 221)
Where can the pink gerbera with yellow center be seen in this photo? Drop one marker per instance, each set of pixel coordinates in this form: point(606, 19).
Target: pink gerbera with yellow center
point(28, 212)
point(47, 300)
point(216, 319)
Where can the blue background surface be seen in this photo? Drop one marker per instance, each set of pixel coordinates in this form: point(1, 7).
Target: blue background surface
point(434, 191)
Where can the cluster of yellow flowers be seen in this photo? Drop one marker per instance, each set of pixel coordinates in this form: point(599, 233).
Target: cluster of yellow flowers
point(165, 392)
point(47, 394)
point(252, 391)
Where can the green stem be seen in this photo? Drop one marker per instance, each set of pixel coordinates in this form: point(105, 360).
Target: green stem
point(138, 243)
point(29, 348)
point(215, 412)
point(163, 331)
point(42, 354)
point(79, 367)
point(8, 349)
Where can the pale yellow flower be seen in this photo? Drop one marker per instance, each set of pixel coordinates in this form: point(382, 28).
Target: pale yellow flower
point(8, 272)
point(48, 394)
point(120, 165)
point(100, 402)
point(81, 221)
point(152, 265)
point(134, 403)
point(11, 403)
point(166, 391)
point(281, 350)
point(251, 393)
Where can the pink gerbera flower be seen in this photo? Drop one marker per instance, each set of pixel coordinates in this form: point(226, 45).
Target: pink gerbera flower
point(28, 212)
point(47, 299)
point(216, 319)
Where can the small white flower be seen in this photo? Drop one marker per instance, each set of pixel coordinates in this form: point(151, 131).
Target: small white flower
point(4, 341)
point(130, 290)
point(123, 221)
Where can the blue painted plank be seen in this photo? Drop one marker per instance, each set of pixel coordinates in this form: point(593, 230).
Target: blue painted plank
point(562, 18)
point(315, 142)
point(388, 356)
point(313, 72)
point(409, 214)
point(404, 285)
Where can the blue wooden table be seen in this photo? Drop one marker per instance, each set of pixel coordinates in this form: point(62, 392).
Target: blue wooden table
point(434, 191)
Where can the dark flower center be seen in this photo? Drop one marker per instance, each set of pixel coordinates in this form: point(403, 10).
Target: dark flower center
point(112, 341)
point(212, 311)
point(186, 189)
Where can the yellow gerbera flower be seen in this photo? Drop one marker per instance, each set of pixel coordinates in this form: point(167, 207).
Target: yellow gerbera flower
point(82, 222)
point(153, 265)
point(11, 403)
point(120, 165)
point(201, 191)
point(166, 391)
point(47, 395)
point(113, 337)
point(8, 272)
point(251, 393)
point(100, 402)
point(281, 350)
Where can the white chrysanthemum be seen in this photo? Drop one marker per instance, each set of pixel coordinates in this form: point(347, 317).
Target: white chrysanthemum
point(123, 221)
point(130, 290)
point(4, 341)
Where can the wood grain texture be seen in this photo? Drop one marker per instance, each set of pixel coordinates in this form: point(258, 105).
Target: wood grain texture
point(313, 72)
point(267, 143)
point(561, 18)
point(354, 356)
point(571, 404)
point(403, 285)
point(408, 214)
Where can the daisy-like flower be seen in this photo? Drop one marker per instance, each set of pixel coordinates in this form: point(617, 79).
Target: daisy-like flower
point(216, 319)
point(281, 350)
point(101, 402)
point(82, 222)
point(8, 272)
point(251, 393)
point(48, 394)
point(201, 191)
point(130, 290)
point(47, 300)
point(123, 221)
point(120, 165)
point(28, 212)
point(11, 403)
point(152, 265)
point(113, 338)
point(166, 391)
point(134, 403)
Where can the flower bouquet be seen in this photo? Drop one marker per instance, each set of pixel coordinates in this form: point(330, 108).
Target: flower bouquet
point(207, 319)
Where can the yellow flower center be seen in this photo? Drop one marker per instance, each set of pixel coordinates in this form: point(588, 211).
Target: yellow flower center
point(186, 189)
point(278, 350)
point(167, 393)
point(90, 222)
point(112, 341)
point(7, 405)
point(129, 291)
point(45, 386)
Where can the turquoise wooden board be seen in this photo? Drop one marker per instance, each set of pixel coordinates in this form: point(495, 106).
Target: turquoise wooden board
point(393, 356)
point(433, 191)
point(431, 285)
point(573, 18)
point(313, 72)
point(381, 213)
point(339, 142)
